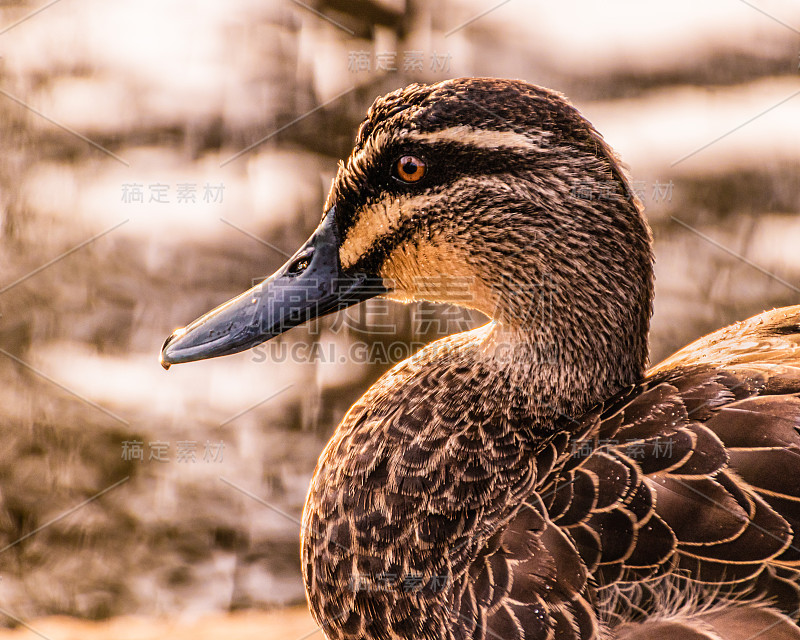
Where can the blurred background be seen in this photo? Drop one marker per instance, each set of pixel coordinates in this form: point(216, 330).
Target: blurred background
point(160, 157)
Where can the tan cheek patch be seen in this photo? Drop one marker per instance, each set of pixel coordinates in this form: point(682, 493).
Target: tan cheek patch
point(437, 272)
point(387, 216)
point(373, 222)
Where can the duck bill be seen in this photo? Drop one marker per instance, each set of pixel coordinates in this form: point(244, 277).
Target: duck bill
point(310, 285)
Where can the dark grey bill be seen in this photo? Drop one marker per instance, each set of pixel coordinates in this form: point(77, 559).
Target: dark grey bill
point(310, 285)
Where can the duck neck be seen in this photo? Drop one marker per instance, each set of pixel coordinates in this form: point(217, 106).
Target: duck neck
point(565, 355)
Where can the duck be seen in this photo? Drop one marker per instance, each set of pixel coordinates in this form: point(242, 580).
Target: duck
point(530, 479)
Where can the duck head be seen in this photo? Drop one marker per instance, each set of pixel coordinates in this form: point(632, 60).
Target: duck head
point(491, 194)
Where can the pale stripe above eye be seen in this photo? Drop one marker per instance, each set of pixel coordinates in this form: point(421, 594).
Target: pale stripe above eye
point(484, 139)
point(463, 135)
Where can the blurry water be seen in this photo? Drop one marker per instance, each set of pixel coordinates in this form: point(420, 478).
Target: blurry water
point(128, 208)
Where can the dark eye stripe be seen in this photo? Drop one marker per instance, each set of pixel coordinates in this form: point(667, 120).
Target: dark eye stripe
point(372, 259)
point(447, 162)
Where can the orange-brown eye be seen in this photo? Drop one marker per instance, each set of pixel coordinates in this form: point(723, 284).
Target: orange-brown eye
point(410, 169)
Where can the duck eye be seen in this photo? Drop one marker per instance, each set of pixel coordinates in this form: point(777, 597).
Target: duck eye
point(409, 169)
point(300, 264)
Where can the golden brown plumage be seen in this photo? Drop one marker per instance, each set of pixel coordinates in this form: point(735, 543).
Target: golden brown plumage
point(529, 479)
